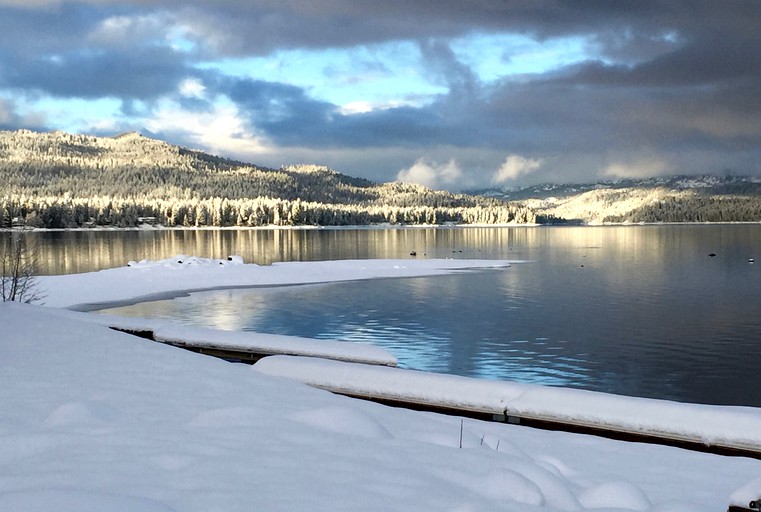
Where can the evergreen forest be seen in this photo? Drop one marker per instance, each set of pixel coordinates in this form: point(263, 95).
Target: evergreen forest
point(61, 180)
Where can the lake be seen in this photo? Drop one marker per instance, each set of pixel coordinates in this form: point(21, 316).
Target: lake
point(634, 310)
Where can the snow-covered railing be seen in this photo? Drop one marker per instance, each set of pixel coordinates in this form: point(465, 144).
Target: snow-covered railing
point(717, 429)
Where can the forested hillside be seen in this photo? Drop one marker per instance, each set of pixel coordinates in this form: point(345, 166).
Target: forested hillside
point(665, 199)
point(60, 180)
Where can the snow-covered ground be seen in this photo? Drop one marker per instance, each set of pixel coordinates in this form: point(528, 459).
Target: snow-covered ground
point(96, 420)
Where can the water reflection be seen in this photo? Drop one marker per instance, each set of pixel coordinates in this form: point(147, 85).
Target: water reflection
point(532, 323)
point(564, 247)
point(632, 310)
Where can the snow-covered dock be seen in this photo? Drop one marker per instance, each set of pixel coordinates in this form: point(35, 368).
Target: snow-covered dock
point(249, 347)
point(714, 429)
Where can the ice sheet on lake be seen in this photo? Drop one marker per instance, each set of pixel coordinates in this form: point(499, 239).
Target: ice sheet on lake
point(182, 274)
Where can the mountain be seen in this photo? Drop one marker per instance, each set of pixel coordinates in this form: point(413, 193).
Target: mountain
point(702, 198)
point(59, 180)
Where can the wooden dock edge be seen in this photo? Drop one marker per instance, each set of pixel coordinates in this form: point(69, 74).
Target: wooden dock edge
point(242, 356)
point(558, 425)
point(504, 416)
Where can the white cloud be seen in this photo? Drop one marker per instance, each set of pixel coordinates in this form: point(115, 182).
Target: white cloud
point(514, 167)
point(357, 107)
point(431, 174)
point(192, 88)
point(221, 131)
point(362, 107)
point(642, 167)
point(125, 30)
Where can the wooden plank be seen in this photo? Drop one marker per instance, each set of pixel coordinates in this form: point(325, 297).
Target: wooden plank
point(488, 414)
point(248, 355)
point(753, 506)
point(511, 403)
point(560, 426)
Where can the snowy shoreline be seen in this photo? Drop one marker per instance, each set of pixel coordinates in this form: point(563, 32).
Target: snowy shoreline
point(101, 419)
point(148, 280)
point(373, 227)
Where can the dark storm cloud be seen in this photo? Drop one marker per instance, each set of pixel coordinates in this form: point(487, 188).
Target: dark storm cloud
point(715, 59)
point(26, 33)
point(289, 117)
point(60, 51)
point(138, 73)
point(668, 78)
point(262, 26)
point(275, 107)
point(624, 29)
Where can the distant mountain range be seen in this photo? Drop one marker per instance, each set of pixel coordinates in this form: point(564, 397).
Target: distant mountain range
point(61, 180)
point(701, 198)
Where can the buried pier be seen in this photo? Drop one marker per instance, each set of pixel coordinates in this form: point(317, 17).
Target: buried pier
point(732, 431)
point(250, 347)
point(369, 373)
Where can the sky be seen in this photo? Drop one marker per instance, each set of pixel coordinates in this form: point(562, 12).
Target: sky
point(450, 94)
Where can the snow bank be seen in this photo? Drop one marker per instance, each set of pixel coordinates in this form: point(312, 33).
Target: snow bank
point(94, 419)
point(732, 427)
point(747, 493)
point(182, 274)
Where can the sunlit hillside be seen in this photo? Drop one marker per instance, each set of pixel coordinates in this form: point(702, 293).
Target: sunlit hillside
point(59, 180)
point(667, 199)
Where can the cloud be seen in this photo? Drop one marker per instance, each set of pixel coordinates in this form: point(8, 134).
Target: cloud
point(144, 74)
point(221, 131)
point(653, 81)
point(12, 119)
point(87, 51)
point(621, 30)
point(431, 174)
point(637, 167)
point(7, 114)
point(514, 167)
point(126, 30)
point(192, 88)
point(442, 62)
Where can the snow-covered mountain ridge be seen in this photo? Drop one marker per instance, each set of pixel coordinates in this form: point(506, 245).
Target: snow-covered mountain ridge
point(60, 180)
point(682, 198)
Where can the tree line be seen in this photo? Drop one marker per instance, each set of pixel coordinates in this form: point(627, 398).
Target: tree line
point(59, 180)
point(67, 212)
point(698, 208)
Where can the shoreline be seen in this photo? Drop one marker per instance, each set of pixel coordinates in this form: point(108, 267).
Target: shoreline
point(169, 414)
point(114, 417)
point(273, 227)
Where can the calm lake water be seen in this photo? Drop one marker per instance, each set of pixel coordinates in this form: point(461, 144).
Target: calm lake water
point(634, 310)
